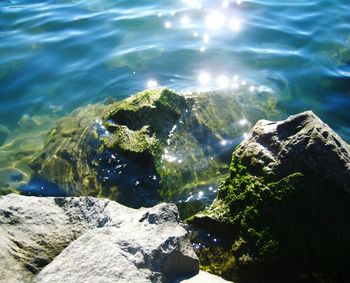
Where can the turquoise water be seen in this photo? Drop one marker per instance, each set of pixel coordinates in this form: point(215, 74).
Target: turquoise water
point(58, 55)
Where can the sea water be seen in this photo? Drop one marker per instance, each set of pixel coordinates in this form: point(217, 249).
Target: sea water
point(58, 55)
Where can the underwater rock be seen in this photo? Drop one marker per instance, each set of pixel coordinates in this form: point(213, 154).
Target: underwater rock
point(4, 133)
point(283, 213)
point(156, 145)
point(17, 152)
point(67, 239)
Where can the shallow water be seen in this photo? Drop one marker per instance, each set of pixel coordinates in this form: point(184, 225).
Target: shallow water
point(58, 55)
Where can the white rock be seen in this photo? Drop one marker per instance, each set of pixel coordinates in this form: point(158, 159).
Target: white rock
point(91, 240)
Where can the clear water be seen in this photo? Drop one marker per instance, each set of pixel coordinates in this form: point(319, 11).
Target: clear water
point(58, 55)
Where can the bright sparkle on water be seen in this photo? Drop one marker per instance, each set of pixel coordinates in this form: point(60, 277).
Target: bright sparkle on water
point(185, 21)
point(225, 4)
point(204, 78)
point(222, 81)
point(206, 38)
point(152, 84)
point(212, 19)
point(167, 24)
point(193, 3)
point(215, 20)
point(235, 24)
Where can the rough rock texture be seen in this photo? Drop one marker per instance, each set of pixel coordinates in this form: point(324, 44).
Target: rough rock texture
point(155, 145)
point(302, 143)
point(204, 277)
point(283, 212)
point(93, 240)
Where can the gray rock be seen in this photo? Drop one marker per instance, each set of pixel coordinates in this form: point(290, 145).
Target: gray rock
point(285, 206)
point(89, 239)
point(301, 143)
point(204, 277)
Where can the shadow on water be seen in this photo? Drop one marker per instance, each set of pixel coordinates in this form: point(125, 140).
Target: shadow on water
point(42, 188)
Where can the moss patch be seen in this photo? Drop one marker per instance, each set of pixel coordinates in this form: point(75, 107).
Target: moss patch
point(296, 228)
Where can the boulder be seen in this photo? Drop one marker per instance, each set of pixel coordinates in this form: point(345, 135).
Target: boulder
point(302, 143)
point(283, 213)
point(95, 240)
point(155, 145)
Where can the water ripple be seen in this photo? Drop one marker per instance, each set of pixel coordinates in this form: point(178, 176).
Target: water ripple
point(72, 52)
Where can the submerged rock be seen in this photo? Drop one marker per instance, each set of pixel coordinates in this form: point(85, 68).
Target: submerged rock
point(18, 150)
point(283, 213)
point(70, 239)
point(156, 145)
point(4, 133)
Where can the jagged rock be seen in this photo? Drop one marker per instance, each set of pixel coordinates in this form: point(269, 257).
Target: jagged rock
point(302, 143)
point(152, 146)
point(90, 239)
point(204, 277)
point(284, 209)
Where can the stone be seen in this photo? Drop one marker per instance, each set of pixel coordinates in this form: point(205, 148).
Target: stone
point(283, 213)
point(301, 143)
point(203, 277)
point(67, 239)
point(155, 145)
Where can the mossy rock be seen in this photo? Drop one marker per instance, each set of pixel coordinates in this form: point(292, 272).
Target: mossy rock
point(156, 145)
point(276, 225)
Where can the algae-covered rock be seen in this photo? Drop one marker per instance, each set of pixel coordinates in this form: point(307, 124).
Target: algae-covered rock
point(283, 213)
point(147, 147)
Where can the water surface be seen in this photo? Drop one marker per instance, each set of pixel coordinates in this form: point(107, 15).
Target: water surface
point(58, 55)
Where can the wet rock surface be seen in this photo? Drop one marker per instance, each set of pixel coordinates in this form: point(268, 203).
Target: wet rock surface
point(156, 145)
point(282, 214)
point(67, 239)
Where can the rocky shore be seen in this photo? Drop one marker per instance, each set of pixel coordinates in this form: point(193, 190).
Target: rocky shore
point(284, 210)
point(281, 213)
point(93, 240)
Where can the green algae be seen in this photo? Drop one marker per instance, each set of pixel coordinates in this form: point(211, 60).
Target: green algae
point(287, 229)
point(137, 145)
point(156, 143)
point(157, 109)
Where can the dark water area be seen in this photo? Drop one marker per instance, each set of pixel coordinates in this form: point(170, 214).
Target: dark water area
point(56, 56)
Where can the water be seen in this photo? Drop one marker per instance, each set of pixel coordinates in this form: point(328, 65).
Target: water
point(58, 55)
